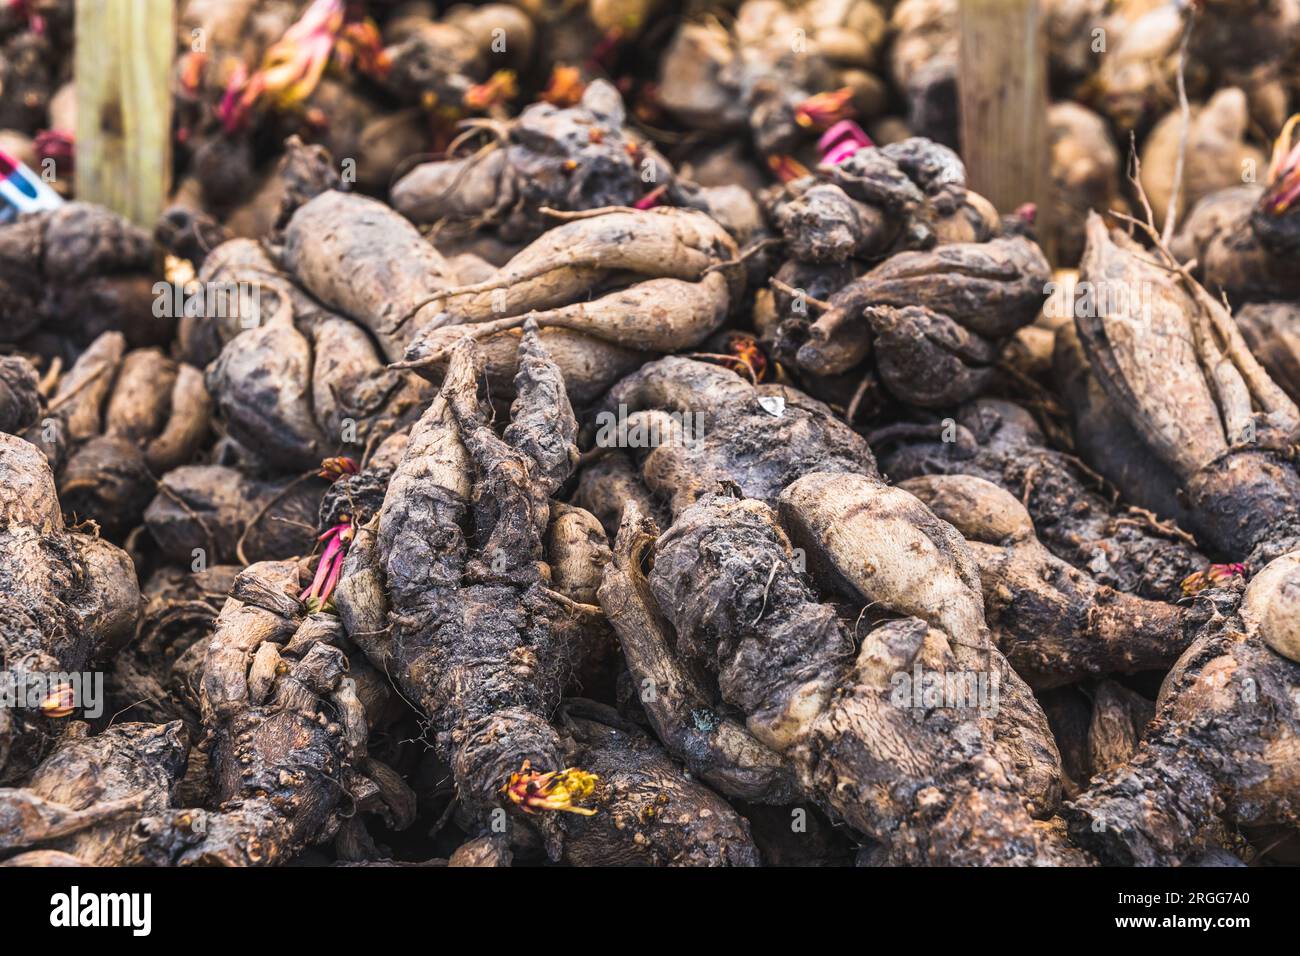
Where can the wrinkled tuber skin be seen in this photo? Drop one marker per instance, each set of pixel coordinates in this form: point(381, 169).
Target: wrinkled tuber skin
point(87, 796)
point(209, 509)
point(1173, 361)
point(931, 787)
point(1000, 443)
point(363, 260)
point(1221, 743)
point(933, 321)
point(66, 599)
point(608, 289)
point(906, 195)
point(752, 77)
point(21, 402)
point(155, 677)
point(1054, 623)
point(284, 730)
point(302, 383)
point(78, 270)
point(572, 159)
point(757, 438)
point(780, 435)
point(130, 416)
point(648, 812)
point(476, 638)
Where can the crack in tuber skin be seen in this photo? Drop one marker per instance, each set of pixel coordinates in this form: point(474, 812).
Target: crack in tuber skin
point(1054, 623)
point(1223, 740)
point(932, 788)
point(1000, 443)
point(66, 599)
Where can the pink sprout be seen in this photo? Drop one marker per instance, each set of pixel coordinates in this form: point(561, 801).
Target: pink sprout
point(841, 141)
point(330, 566)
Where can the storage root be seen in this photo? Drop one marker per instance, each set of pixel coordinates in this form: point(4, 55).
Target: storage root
point(1074, 515)
point(627, 433)
point(126, 418)
point(1173, 361)
point(68, 600)
point(667, 279)
point(813, 718)
point(77, 271)
point(1217, 749)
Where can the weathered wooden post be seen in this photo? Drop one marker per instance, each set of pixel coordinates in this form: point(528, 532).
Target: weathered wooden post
point(123, 64)
point(1002, 83)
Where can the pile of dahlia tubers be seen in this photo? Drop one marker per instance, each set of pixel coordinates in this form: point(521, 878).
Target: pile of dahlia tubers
point(620, 433)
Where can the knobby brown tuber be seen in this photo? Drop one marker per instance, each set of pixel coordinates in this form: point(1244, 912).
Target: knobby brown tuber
point(68, 600)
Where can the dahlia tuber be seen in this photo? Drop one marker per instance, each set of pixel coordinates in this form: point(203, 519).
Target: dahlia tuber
point(129, 417)
point(726, 582)
point(1000, 443)
point(68, 599)
point(1219, 743)
point(285, 732)
point(475, 635)
point(1054, 623)
point(575, 158)
point(78, 270)
point(1175, 364)
point(676, 269)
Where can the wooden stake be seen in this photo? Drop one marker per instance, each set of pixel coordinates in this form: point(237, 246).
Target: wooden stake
point(1002, 83)
point(124, 53)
